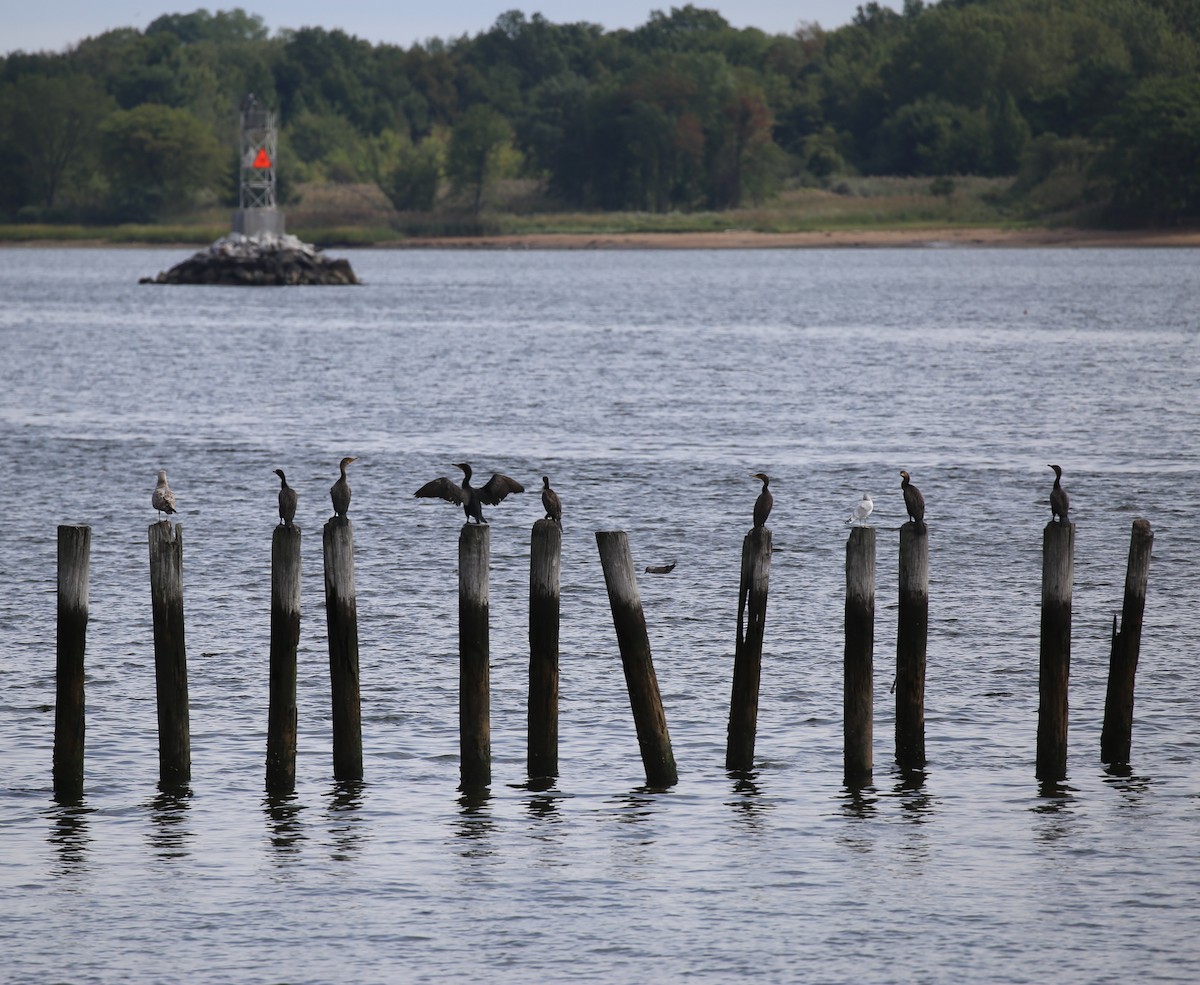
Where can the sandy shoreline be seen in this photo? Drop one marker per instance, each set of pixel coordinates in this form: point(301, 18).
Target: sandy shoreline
point(739, 239)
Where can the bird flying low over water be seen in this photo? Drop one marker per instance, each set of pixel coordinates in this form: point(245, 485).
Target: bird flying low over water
point(1059, 501)
point(862, 510)
point(551, 502)
point(162, 499)
point(914, 502)
point(287, 500)
point(466, 495)
point(762, 505)
point(339, 492)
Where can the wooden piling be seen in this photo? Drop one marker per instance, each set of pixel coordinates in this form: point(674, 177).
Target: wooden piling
point(747, 659)
point(474, 648)
point(1054, 670)
point(634, 641)
point(341, 618)
point(1116, 736)
point(74, 547)
point(170, 654)
point(859, 658)
point(911, 641)
point(545, 562)
point(285, 638)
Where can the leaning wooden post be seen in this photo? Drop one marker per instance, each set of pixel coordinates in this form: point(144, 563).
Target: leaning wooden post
point(545, 562)
point(1116, 736)
point(341, 618)
point(474, 648)
point(285, 638)
point(1054, 669)
point(74, 546)
point(747, 659)
point(170, 654)
point(911, 641)
point(630, 624)
point(859, 660)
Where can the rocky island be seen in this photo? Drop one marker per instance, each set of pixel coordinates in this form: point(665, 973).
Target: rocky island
point(264, 259)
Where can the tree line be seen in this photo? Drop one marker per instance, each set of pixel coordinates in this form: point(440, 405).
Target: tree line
point(1081, 101)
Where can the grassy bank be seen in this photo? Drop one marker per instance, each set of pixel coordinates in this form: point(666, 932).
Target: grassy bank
point(359, 215)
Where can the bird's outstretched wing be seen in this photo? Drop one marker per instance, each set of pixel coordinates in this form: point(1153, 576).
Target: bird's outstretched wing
point(441, 488)
point(497, 487)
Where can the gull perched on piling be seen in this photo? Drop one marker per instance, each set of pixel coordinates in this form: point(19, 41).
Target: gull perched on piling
point(163, 499)
point(862, 510)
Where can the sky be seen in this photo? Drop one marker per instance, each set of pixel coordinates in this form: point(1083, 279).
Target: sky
point(53, 25)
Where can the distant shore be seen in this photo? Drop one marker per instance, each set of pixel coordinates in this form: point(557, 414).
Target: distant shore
point(735, 239)
point(726, 240)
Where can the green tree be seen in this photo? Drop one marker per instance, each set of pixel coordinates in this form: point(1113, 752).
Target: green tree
point(158, 158)
point(476, 151)
point(48, 125)
point(1154, 150)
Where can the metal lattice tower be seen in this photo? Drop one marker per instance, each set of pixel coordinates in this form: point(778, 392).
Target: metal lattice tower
point(257, 215)
point(258, 156)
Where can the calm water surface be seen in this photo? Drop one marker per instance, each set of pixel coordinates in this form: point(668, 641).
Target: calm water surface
point(648, 385)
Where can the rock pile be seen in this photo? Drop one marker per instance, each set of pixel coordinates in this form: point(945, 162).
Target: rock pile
point(264, 259)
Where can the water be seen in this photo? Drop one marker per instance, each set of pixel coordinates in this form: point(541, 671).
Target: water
point(648, 385)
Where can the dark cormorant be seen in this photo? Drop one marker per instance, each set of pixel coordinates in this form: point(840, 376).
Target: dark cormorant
point(762, 505)
point(466, 495)
point(287, 500)
point(914, 502)
point(339, 492)
point(1059, 501)
point(551, 502)
point(162, 499)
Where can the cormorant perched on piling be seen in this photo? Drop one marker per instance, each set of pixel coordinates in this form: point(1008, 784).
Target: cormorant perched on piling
point(339, 492)
point(466, 495)
point(914, 502)
point(551, 502)
point(162, 499)
point(1059, 501)
point(762, 505)
point(287, 500)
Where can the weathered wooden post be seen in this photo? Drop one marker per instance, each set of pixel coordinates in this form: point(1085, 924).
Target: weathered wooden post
point(74, 547)
point(341, 618)
point(285, 638)
point(170, 654)
point(911, 641)
point(545, 562)
point(747, 659)
point(634, 641)
point(1054, 668)
point(474, 648)
point(1116, 736)
point(859, 660)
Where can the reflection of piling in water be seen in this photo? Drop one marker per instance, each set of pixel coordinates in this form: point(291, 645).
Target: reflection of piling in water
point(1058, 574)
point(545, 562)
point(170, 655)
point(630, 624)
point(341, 617)
point(285, 638)
point(1117, 734)
point(474, 645)
point(74, 546)
point(747, 660)
point(911, 641)
point(859, 656)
